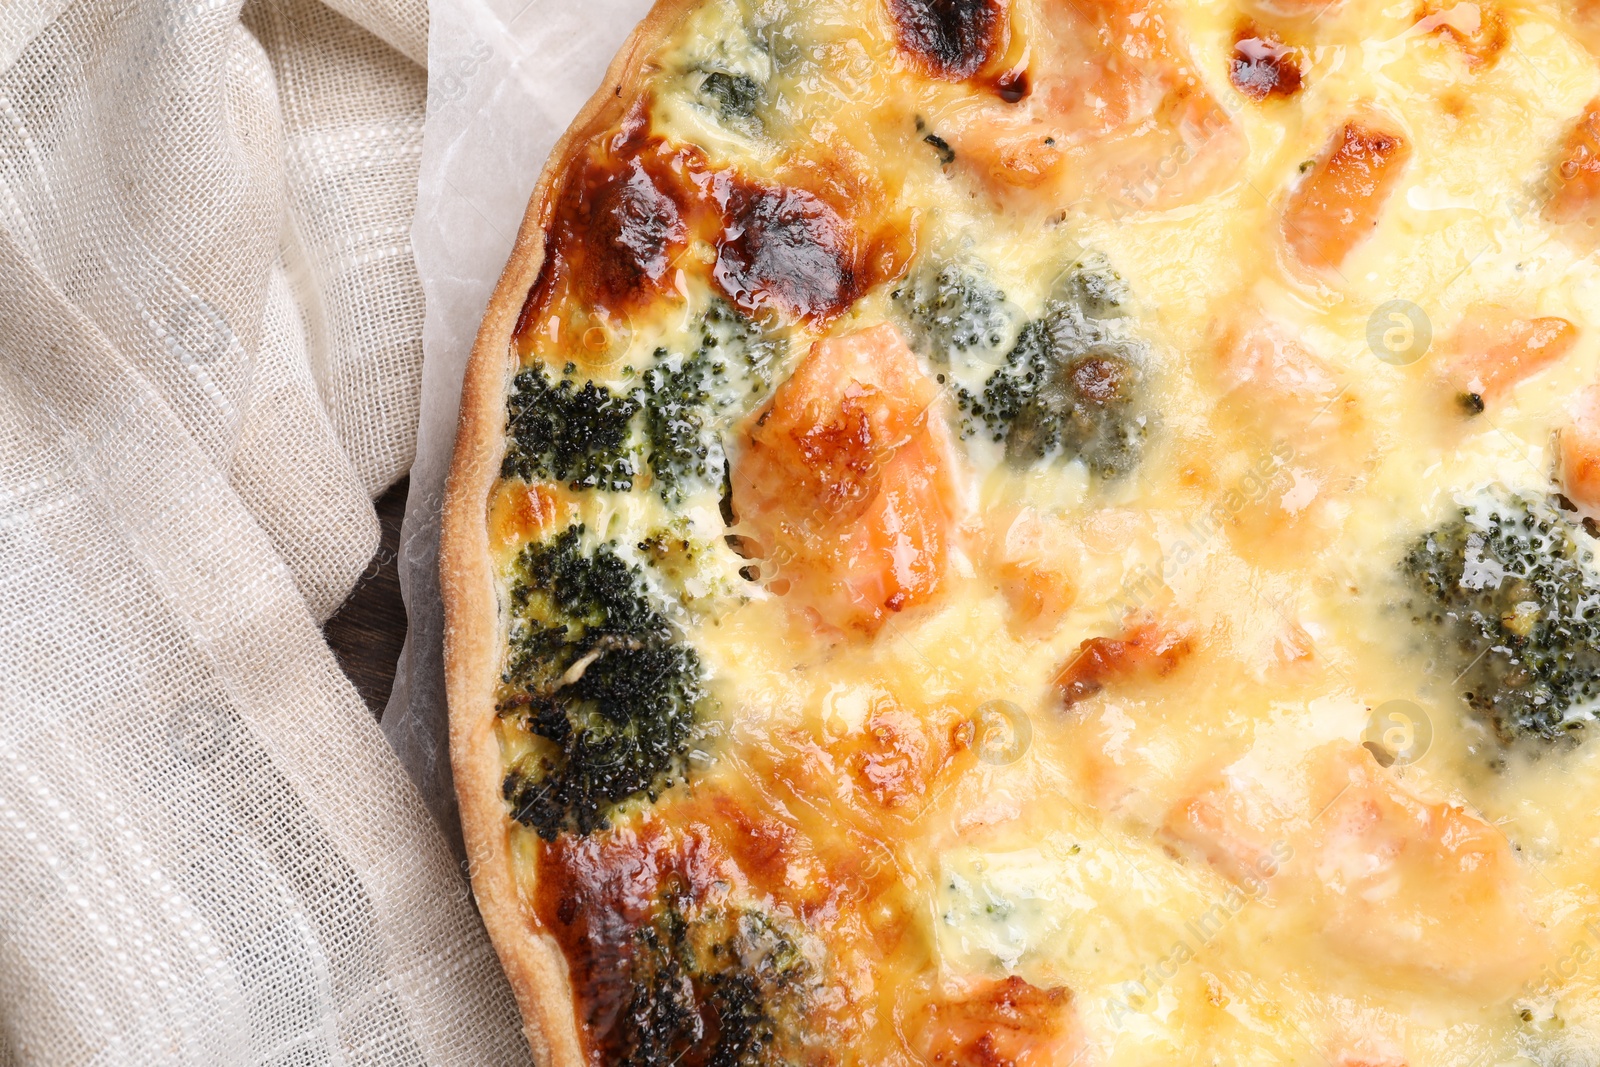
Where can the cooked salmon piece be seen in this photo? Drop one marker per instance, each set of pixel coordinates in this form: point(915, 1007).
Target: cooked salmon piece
point(1116, 114)
point(1367, 1050)
point(1586, 23)
point(1337, 204)
point(1147, 647)
point(1413, 888)
point(1034, 561)
point(1494, 348)
point(1580, 453)
point(1575, 179)
point(844, 483)
point(1231, 830)
point(1276, 379)
point(1004, 1022)
point(1307, 434)
point(1405, 887)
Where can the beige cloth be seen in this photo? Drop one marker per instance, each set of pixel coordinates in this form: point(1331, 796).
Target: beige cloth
point(210, 352)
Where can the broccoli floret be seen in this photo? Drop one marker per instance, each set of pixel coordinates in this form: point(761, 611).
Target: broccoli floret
point(584, 435)
point(685, 398)
point(1510, 592)
point(727, 986)
point(595, 670)
point(735, 97)
point(729, 337)
point(679, 557)
point(1096, 289)
point(950, 311)
point(680, 409)
point(567, 434)
point(1070, 388)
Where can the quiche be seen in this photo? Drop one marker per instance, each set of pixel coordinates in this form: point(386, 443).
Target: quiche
point(1036, 532)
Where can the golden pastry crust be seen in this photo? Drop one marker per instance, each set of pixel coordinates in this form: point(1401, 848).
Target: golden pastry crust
point(472, 638)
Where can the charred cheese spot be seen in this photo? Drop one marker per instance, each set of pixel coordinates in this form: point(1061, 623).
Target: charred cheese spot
point(1013, 85)
point(636, 225)
point(784, 250)
point(952, 38)
point(616, 227)
point(598, 891)
point(1263, 66)
point(632, 206)
point(670, 960)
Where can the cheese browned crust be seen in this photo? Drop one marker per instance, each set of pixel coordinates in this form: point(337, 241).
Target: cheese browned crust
point(1195, 590)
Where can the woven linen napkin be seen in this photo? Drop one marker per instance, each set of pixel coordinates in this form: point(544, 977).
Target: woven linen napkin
point(210, 355)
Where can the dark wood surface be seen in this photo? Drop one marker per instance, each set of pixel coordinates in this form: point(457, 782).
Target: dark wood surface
point(369, 628)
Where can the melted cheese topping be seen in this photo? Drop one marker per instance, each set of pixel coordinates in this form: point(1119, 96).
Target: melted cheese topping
point(1200, 851)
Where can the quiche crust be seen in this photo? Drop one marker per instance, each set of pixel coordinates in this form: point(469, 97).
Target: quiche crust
point(472, 648)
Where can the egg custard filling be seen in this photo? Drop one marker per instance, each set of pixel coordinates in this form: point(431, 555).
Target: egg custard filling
point(1040, 532)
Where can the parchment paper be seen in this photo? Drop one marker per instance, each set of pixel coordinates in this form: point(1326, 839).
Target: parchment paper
point(505, 77)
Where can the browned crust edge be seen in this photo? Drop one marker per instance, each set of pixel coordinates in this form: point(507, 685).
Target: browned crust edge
point(532, 959)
